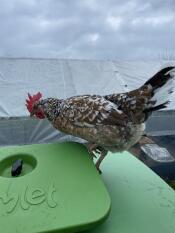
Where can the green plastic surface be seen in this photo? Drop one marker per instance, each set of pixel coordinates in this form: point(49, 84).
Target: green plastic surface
point(141, 202)
point(59, 190)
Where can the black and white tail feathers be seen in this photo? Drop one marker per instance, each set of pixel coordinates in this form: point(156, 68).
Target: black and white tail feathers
point(162, 86)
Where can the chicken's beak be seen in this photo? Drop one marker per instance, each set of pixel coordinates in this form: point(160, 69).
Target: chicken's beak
point(31, 114)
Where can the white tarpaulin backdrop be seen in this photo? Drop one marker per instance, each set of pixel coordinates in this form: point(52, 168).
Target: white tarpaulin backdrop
point(64, 78)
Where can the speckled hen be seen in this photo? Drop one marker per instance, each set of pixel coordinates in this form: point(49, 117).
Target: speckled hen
point(109, 123)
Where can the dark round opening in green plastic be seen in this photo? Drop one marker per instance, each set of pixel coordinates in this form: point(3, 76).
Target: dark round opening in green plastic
point(29, 164)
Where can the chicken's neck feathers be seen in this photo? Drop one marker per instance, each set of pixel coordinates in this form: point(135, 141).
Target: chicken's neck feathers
point(51, 108)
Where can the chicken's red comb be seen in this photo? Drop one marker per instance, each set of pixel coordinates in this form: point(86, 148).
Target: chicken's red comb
point(31, 100)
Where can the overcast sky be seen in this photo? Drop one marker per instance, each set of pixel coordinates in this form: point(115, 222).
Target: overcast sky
point(88, 29)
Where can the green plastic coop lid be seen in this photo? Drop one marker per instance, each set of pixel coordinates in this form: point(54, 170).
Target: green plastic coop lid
point(141, 202)
point(59, 190)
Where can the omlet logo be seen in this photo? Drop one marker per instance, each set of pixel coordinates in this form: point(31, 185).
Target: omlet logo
point(28, 197)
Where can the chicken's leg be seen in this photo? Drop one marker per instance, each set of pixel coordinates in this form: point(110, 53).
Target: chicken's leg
point(92, 148)
point(95, 148)
point(100, 159)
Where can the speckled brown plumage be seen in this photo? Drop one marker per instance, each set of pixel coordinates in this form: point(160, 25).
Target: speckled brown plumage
point(113, 122)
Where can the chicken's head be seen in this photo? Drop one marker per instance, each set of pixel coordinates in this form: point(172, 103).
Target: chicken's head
point(34, 106)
